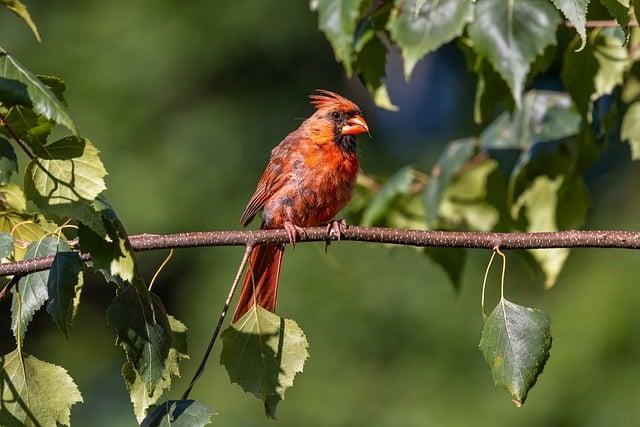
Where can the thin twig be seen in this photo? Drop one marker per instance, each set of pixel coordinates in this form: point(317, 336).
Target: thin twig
point(396, 236)
point(223, 314)
point(5, 291)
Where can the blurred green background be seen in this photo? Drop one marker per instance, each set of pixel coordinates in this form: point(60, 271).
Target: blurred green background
point(186, 100)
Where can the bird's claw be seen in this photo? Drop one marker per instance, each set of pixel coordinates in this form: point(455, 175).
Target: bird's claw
point(335, 228)
point(293, 231)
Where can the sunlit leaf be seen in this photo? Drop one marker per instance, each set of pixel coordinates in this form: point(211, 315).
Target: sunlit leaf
point(140, 395)
point(337, 19)
point(511, 34)
point(31, 292)
point(631, 129)
point(370, 66)
point(17, 7)
point(25, 228)
point(23, 88)
point(515, 343)
point(12, 198)
point(420, 28)
point(620, 10)
point(34, 393)
point(262, 353)
point(576, 12)
point(179, 413)
point(64, 286)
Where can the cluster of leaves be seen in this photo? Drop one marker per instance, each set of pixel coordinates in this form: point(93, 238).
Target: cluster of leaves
point(524, 171)
point(58, 209)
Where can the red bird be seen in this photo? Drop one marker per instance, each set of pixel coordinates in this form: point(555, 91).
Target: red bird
point(309, 179)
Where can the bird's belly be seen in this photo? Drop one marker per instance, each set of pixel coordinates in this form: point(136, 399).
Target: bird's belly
point(309, 201)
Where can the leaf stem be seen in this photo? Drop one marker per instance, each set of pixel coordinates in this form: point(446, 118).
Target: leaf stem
point(504, 269)
point(223, 313)
point(484, 283)
point(162, 266)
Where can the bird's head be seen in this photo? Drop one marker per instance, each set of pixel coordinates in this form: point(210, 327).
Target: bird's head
point(339, 115)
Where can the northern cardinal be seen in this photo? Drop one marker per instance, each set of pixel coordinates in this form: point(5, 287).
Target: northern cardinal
point(309, 179)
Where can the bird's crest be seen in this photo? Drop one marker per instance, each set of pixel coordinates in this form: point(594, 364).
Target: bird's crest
point(326, 99)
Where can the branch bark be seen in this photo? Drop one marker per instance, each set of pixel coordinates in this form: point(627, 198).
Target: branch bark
point(420, 238)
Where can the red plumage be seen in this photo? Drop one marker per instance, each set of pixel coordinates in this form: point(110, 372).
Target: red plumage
point(308, 180)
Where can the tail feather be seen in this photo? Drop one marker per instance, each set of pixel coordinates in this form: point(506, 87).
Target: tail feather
point(261, 281)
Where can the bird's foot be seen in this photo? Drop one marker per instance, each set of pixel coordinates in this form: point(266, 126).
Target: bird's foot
point(335, 228)
point(293, 231)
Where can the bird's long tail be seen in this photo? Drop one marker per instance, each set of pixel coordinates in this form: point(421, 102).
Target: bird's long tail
point(260, 284)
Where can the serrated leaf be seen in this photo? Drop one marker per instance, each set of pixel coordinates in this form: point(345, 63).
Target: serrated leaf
point(631, 129)
point(55, 85)
point(140, 396)
point(595, 71)
point(23, 88)
point(12, 198)
point(25, 228)
point(620, 10)
point(64, 287)
point(143, 330)
point(515, 344)
point(398, 184)
point(370, 67)
point(8, 161)
point(576, 12)
point(455, 156)
point(337, 20)
point(452, 261)
point(34, 393)
point(420, 28)
point(21, 10)
point(262, 353)
point(31, 291)
point(6, 245)
point(511, 34)
point(545, 116)
point(179, 413)
point(28, 126)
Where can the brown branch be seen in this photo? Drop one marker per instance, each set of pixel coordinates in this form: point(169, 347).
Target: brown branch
point(605, 23)
point(420, 238)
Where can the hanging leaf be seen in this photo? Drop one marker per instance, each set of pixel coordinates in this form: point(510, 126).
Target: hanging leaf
point(64, 286)
point(141, 397)
point(262, 353)
point(419, 29)
point(179, 413)
point(595, 71)
point(31, 291)
point(34, 393)
point(370, 67)
point(511, 34)
point(620, 10)
point(515, 343)
point(631, 129)
point(576, 12)
point(21, 10)
point(8, 161)
point(143, 330)
point(6, 245)
point(25, 228)
point(337, 19)
point(23, 88)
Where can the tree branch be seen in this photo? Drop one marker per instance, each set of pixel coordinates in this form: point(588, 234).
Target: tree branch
point(420, 238)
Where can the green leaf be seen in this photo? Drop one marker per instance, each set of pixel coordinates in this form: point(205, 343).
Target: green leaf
point(32, 291)
point(64, 287)
point(370, 67)
point(25, 228)
point(12, 198)
point(595, 71)
point(545, 116)
point(262, 353)
point(34, 393)
point(55, 85)
point(20, 85)
point(421, 28)
point(28, 126)
point(455, 156)
point(631, 129)
point(511, 34)
point(620, 10)
point(179, 413)
point(143, 330)
point(515, 343)
point(140, 396)
point(6, 245)
point(8, 161)
point(21, 10)
point(337, 19)
point(576, 12)
point(452, 261)
point(398, 184)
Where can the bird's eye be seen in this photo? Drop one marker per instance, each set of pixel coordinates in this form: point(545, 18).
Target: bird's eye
point(336, 115)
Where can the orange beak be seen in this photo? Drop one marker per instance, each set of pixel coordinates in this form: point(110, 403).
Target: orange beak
point(355, 126)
